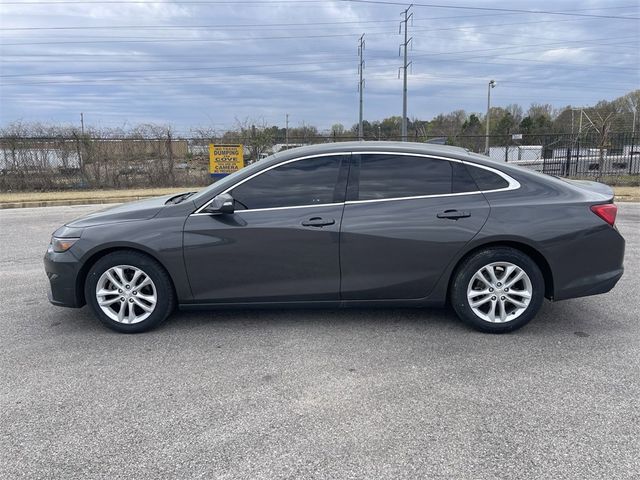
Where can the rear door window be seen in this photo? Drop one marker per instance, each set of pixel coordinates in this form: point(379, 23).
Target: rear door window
point(383, 176)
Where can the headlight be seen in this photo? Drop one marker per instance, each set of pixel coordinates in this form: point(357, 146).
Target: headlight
point(60, 245)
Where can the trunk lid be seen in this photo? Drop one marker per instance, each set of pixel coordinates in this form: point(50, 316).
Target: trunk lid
point(594, 187)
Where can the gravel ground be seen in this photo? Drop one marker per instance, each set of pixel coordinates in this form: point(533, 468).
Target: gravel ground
point(314, 394)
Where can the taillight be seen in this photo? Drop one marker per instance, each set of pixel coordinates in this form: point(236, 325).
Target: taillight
point(607, 212)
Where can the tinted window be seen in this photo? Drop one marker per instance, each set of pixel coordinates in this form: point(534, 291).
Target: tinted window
point(305, 182)
point(487, 180)
point(462, 180)
point(392, 176)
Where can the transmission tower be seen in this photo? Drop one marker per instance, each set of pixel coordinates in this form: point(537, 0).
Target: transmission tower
point(361, 84)
point(405, 65)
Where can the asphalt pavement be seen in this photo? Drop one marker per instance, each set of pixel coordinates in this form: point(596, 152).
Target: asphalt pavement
point(366, 393)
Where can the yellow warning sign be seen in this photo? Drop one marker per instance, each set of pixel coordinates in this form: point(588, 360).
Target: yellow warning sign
point(225, 159)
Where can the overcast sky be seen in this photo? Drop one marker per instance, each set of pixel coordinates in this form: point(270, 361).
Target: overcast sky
point(208, 64)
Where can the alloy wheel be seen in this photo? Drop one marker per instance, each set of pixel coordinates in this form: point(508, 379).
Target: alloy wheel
point(499, 292)
point(126, 294)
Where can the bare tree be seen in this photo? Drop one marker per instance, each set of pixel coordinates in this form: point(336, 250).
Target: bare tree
point(600, 120)
point(257, 139)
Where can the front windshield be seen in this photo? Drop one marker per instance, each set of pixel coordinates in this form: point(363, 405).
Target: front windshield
point(230, 179)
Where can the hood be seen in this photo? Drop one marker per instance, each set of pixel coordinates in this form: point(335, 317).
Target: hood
point(139, 210)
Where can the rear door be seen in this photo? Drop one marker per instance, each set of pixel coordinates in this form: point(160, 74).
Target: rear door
point(405, 219)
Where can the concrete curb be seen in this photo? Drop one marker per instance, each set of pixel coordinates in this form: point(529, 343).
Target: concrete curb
point(78, 201)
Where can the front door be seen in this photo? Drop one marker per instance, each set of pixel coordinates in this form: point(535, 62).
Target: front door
point(282, 241)
point(405, 219)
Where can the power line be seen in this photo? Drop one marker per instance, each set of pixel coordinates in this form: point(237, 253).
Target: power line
point(119, 97)
point(219, 67)
point(540, 62)
point(161, 55)
point(502, 35)
point(301, 25)
point(493, 9)
point(112, 39)
point(506, 80)
point(205, 81)
point(217, 26)
point(225, 80)
point(597, 41)
point(125, 40)
point(275, 2)
point(166, 40)
point(315, 62)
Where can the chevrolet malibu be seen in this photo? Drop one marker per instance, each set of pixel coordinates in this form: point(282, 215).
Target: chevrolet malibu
point(372, 224)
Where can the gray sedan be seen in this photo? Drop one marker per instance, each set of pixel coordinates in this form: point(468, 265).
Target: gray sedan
point(347, 224)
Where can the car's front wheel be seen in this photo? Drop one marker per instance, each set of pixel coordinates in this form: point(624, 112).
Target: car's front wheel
point(129, 291)
point(497, 290)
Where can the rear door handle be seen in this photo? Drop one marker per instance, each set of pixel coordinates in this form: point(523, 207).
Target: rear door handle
point(453, 214)
point(318, 222)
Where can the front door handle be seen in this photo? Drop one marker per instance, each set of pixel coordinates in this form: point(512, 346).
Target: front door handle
point(453, 214)
point(318, 222)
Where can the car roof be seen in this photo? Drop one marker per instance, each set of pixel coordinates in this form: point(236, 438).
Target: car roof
point(407, 147)
point(447, 151)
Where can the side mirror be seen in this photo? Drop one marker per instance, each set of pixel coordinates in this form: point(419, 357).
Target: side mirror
point(221, 204)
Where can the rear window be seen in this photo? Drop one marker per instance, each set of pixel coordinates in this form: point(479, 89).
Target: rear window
point(487, 180)
point(462, 180)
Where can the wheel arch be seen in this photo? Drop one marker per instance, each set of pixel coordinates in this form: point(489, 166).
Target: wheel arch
point(527, 249)
point(94, 256)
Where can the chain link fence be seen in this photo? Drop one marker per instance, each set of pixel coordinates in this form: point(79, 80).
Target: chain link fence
point(83, 162)
point(566, 155)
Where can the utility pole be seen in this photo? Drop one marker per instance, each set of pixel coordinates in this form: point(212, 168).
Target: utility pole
point(286, 131)
point(492, 84)
point(80, 145)
point(405, 66)
point(580, 135)
point(634, 109)
point(580, 123)
point(361, 85)
point(572, 110)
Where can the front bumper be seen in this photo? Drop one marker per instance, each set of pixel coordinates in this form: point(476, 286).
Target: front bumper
point(62, 270)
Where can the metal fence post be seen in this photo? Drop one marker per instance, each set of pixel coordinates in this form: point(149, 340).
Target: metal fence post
point(631, 152)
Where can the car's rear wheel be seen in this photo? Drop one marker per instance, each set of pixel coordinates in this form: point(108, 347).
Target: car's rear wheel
point(129, 291)
point(497, 290)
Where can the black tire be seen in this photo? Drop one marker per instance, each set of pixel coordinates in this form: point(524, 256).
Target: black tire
point(165, 303)
point(467, 269)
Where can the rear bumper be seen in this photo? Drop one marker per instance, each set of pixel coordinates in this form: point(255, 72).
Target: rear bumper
point(62, 270)
point(593, 285)
point(592, 265)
